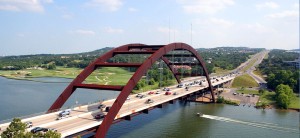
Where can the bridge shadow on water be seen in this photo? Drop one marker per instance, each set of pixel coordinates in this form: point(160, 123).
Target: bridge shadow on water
point(173, 120)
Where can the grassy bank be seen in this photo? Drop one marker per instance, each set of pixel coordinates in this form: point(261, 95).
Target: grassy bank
point(269, 99)
point(295, 103)
point(244, 81)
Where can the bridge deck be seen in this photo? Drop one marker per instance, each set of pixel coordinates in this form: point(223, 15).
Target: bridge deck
point(81, 117)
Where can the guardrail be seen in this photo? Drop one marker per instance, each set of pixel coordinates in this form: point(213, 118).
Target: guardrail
point(45, 112)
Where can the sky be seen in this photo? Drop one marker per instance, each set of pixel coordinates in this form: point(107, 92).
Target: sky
point(69, 26)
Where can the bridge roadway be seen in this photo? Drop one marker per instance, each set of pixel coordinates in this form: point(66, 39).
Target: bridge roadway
point(82, 117)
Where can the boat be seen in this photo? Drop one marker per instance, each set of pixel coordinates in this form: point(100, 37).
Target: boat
point(199, 114)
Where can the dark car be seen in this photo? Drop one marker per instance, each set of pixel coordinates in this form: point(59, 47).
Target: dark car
point(38, 129)
point(101, 106)
point(107, 108)
point(143, 96)
point(149, 101)
point(99, 116)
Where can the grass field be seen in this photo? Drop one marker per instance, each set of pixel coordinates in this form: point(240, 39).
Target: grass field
point(295, 103)
point(268, 97)
point(105, 75)
point(244, 81)
point(221, 71)
point(248, 91)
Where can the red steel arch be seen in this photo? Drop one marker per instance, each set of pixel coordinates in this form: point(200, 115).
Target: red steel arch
point(157, 51)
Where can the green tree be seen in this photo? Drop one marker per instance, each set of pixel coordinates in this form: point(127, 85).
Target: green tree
point(16, 129)
point(284, 94)
point(152, 81)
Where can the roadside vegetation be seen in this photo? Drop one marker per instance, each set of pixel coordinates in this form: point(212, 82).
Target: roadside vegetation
point(244, 81)
point(282, 78)
point(247, 91)
point(249, 65)
point(17, 129)
point(258, 73)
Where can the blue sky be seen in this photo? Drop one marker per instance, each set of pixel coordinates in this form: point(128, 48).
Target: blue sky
point(65, 26)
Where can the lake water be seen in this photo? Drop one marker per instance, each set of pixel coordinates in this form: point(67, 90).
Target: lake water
point(177, 120)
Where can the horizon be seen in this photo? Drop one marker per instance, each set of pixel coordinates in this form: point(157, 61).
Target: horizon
point(117, 46)
point(60, 27)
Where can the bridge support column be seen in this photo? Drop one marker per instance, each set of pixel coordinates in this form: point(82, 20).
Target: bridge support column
point(128, 118)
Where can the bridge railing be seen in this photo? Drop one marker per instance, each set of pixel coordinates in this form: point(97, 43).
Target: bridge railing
point(45, 112)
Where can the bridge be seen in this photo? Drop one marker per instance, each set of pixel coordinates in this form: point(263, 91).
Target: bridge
point(82, 120)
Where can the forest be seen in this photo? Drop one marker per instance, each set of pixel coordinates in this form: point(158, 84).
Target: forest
point(224, 57)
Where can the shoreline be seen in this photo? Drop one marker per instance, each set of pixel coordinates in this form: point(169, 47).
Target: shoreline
point(28, 79)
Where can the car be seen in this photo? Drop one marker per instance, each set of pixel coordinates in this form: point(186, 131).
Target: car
point(149, 101)
point(101, 106)
point(150, 92)
point(37, 129)
point(168, 93)
point(157, 92)
point(65, 112)
point(99, 116)
point(138, 95)
point(166, 89)
point(143, 96)
point(175, 93)
point(248, 95)
point(62, 116)
point(180, 85)
point(107, 108)
point(234, 93)
point(28, 124)
point(128, 98)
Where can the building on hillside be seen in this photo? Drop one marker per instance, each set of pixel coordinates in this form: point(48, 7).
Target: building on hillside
point(294, 63)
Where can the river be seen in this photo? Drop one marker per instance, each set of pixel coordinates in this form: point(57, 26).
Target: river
point(179, 120)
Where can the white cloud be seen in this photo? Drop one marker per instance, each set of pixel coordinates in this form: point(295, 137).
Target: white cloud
point(271, 5)
point(105, 5)
point(23, 5)
point(284, 14)
point(205, 6)
point(132, 9)
point(114, 30)
point(84, 32)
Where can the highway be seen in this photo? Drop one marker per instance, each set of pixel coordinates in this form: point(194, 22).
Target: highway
point(82, 117)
